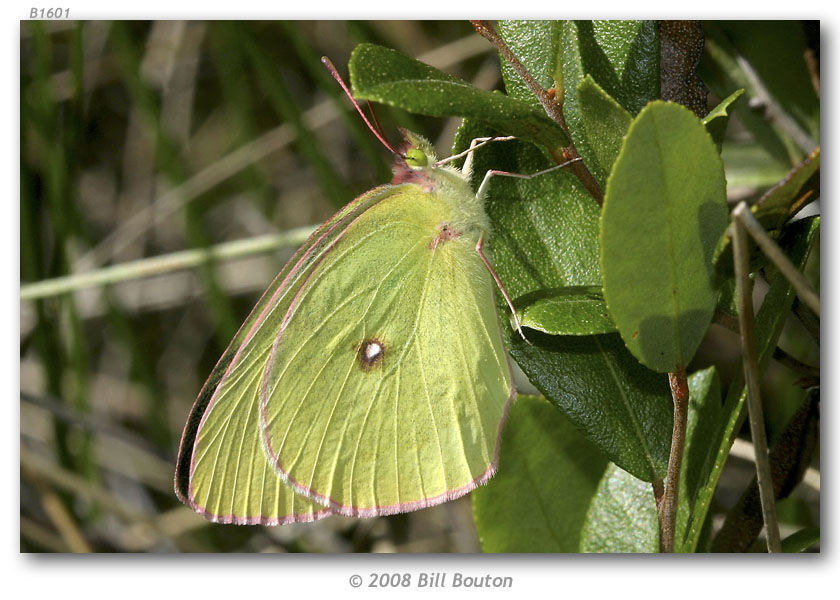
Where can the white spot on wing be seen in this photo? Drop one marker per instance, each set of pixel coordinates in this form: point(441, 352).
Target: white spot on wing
point(372, 351)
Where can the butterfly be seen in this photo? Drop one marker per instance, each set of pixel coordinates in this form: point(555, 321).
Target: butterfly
point(371, 377)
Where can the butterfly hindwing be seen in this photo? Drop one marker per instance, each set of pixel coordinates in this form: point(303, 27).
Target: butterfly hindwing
point(387, 386)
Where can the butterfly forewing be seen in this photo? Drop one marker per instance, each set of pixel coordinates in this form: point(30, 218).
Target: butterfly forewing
point(232, 480)
point(222, 470)
point(388, 384)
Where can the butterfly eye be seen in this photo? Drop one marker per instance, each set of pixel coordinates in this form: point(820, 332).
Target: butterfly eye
point(416, 158)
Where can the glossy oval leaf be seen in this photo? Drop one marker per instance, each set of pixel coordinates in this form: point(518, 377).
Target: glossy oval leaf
point(664, 213)
point(621, 407)
point(622, 517)
point(384, 75)
point(573, 310)
point(536, 44)
point(545, 236)
point(547, 476)
point(545, 229)
point(622, 57)
point(605, 123)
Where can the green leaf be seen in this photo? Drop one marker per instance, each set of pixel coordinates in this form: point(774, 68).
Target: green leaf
point(545, 236)
point(769, 321)
point(621, 407)
point(784, 199)
point(605, 122)
point(535, 44)
point(573, 310)
point(622, 57)
point(547, 476)
point(705, 419)
point(622, 516)
point(801, 540)
point(664, 212)
point(545, 229)
point(384, 75)
point(718, 118)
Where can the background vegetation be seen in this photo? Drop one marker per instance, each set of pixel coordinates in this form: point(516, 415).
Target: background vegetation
point(144, 139)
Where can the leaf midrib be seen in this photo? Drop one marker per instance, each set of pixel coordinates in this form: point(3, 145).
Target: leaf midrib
point(669, 245)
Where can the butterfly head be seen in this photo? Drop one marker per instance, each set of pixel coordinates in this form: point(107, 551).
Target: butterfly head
point(416, 151)
point(415, 161)
point(415, 158)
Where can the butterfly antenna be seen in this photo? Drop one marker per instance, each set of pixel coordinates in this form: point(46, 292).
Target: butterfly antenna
point(375, 120)
point(375, 130)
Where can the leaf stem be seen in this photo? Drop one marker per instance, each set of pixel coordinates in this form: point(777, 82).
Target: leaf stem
point(166, 263)
point(658, 492)
point(668, 506)
point(750, 362)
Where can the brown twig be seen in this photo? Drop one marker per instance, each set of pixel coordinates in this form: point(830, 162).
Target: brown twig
point(552, 107)
point(669, 503)
point(748, 223)
point(750, 361)
point(578, 168)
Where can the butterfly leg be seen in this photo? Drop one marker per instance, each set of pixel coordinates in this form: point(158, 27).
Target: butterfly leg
point(487, 176)
point(479, 247)
point(475, 144)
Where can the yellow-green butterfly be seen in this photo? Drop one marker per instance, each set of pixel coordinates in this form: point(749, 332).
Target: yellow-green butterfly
point(371, 377)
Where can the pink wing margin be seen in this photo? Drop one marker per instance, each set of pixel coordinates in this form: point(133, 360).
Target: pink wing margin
point(293, 272)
